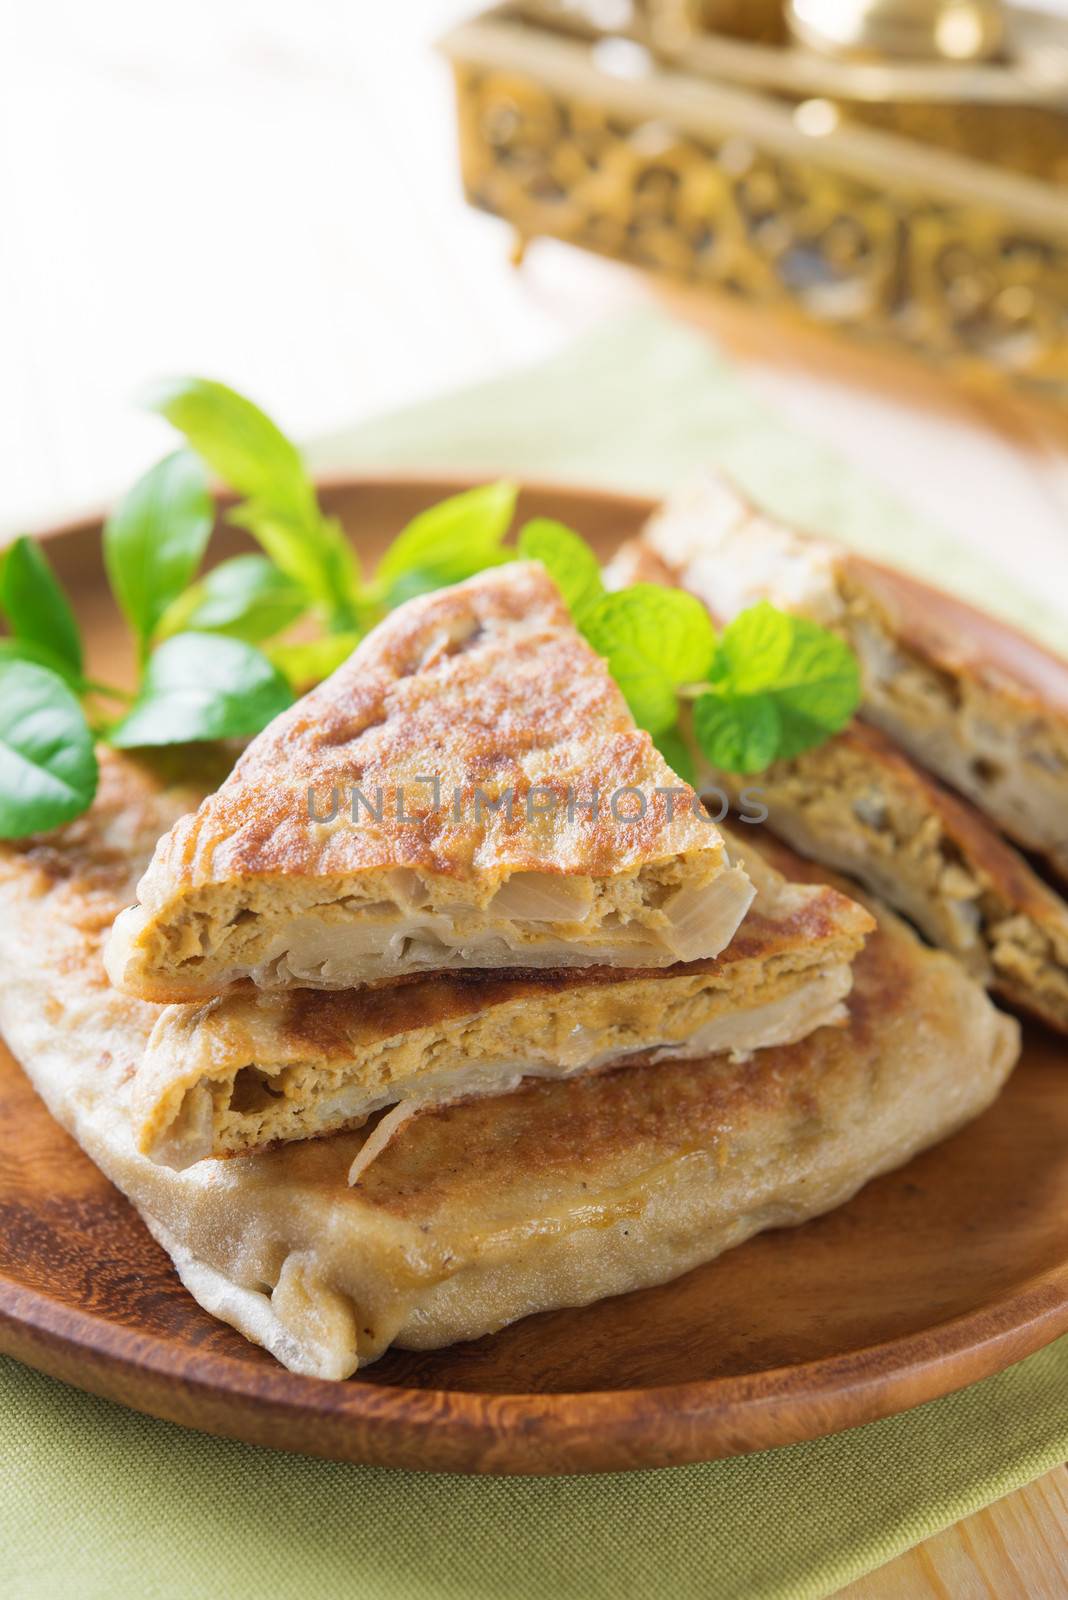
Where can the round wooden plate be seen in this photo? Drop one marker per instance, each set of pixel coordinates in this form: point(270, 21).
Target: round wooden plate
point(934, 1276)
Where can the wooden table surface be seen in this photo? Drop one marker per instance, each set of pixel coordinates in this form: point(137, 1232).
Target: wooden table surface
point(126, 257)
point(1016, 1549)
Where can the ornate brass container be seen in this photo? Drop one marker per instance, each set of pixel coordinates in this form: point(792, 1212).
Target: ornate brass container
point(920, 201)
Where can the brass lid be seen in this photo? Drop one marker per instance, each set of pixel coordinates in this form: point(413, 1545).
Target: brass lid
point(948, 31)
point(954, 52)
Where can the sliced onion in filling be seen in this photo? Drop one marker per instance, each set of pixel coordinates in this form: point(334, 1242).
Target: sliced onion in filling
point(382, 1136)
point(543, 897)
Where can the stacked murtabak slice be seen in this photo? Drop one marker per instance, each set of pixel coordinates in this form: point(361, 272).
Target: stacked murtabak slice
point(948, 694)
point(464, 833)
point(490, 804)
point(494, 1208)
point(434, 991)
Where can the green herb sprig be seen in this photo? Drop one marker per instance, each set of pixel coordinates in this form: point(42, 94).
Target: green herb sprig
point(216, 652)
point(219, 657)
point(768, 687)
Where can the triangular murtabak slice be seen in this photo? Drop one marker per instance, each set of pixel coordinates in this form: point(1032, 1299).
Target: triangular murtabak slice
point(247, 1070)
point(557, 1195)
point(490, 803)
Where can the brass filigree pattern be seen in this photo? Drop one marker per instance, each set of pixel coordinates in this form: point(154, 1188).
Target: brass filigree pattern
point(954, 282)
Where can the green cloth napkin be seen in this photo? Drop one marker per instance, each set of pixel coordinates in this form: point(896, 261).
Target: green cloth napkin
point(103, 1504)
point(99, 1501)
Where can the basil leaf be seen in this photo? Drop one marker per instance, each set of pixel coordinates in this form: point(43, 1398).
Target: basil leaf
point(36, 607)
point(676, 752)
point(738, 733)
point(48, 770)
point(569, 560)
point(810, 673)
point(239, 442)
point(155, 538)
point(203, 686)
point(246, 598)
point(307, 663)
point(654, 640)
point(313, 554)
point(447, 543)
point(30, 650)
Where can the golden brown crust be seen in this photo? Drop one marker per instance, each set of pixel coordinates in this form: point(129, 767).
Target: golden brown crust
point(487, 684)
point(631, 1118)
point(473, 736)
point(955, 637)
point(961, 640)
point(325, 1023)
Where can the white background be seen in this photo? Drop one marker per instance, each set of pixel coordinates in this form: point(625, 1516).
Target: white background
point(267, 192)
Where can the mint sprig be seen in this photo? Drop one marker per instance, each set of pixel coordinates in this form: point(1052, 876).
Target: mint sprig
point(737, 733)
point(779, 685)
point(655, 640)
point(279, 507)
point(202, 673)
point(41, 656)
point(247, 597)
point(771, 686)
point(569, 560)
point(306, 662)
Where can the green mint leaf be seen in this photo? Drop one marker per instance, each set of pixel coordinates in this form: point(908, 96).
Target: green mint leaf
point(244, 448)
point(203, 686)
point(654, 640)
point(569, 560)
point(810, 673)
point(668, 627)
point(155, 538)
point(676, 752)
point(820, 694)
point(755, 648)
point(35, 606)
point(48, 771)
point(447, 543)
point(738, 733)
point(246, 598)
point(308, 663)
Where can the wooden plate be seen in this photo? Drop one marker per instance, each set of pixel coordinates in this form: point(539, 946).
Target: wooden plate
point(932, 1277)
